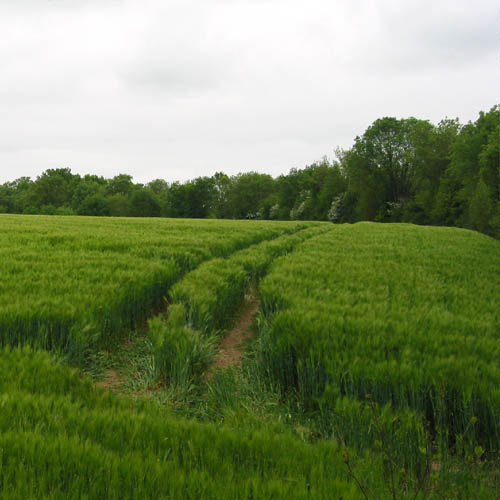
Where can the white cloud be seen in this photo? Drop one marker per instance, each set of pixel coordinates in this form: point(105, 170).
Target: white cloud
point(176, 89)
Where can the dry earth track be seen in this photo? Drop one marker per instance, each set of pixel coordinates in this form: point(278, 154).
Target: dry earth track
point(232, 346)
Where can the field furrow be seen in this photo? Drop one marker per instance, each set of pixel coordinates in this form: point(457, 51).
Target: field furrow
point(68, 283)
point(371, 372)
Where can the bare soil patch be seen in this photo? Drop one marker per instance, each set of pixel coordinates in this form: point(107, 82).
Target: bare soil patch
point(112, 381)
point(232, 345)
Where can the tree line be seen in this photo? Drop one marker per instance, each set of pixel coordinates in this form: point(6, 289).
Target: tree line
point(399, 170)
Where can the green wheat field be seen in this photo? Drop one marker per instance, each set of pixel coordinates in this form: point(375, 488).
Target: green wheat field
point(373, 369)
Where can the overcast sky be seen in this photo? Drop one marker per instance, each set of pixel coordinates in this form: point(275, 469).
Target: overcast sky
point(178, 89)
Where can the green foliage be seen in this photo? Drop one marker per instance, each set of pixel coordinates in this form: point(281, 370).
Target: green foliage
point(399, 313)
point(489, 162)
point(120, 184)
point(384, 337)
point(144, 204)
point(246, 193)
point(95, 205)
point(62, 438)
point(204, 302)
point(181, 354)
point(54, 187)
point(212, 292)
point(64, 276)
point(480, 208)
point(398, 170)
point(192, 199)
point(384, 157)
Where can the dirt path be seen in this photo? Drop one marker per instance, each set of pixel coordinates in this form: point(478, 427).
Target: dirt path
point(111, 381)
point(232, 346)
point(230, 350)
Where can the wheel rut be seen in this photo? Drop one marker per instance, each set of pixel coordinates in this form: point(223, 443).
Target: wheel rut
point(232, 346)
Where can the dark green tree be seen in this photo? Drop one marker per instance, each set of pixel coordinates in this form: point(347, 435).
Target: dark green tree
point(200, 193)
point(144, 204)
point(381, 167)
point(480, 208)
point(160, 188)
point(87, 186)
point(94, 204)
point(219, 207)
point(489, 163)
point(120, 184)
point(432, 158)
point(54, 187)
point(246, 193)
point(118, 205)
point(465, 167)
point(289, 188)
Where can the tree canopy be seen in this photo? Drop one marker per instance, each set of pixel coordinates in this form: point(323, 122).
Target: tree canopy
point(406, 170)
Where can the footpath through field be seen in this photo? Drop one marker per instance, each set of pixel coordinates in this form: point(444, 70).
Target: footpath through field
point(70, 283)
point(203, 305)
point(232, 346)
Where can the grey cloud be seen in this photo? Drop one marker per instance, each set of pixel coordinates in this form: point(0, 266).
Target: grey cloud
point(415, 35)
point(176, 89)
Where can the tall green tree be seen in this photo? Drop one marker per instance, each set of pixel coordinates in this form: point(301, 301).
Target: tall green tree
point(246, 194)
point(160, 188)
point(489, 163)
point(87, 186)
point(94, 204)
point(432, 158)
point(289, 188)
point(16, 195)
point(120, 184)
point(200, 193)
point(144, 204)
point(221, 184)
point(480, 208)
point(464, 170)
point(54, 187)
